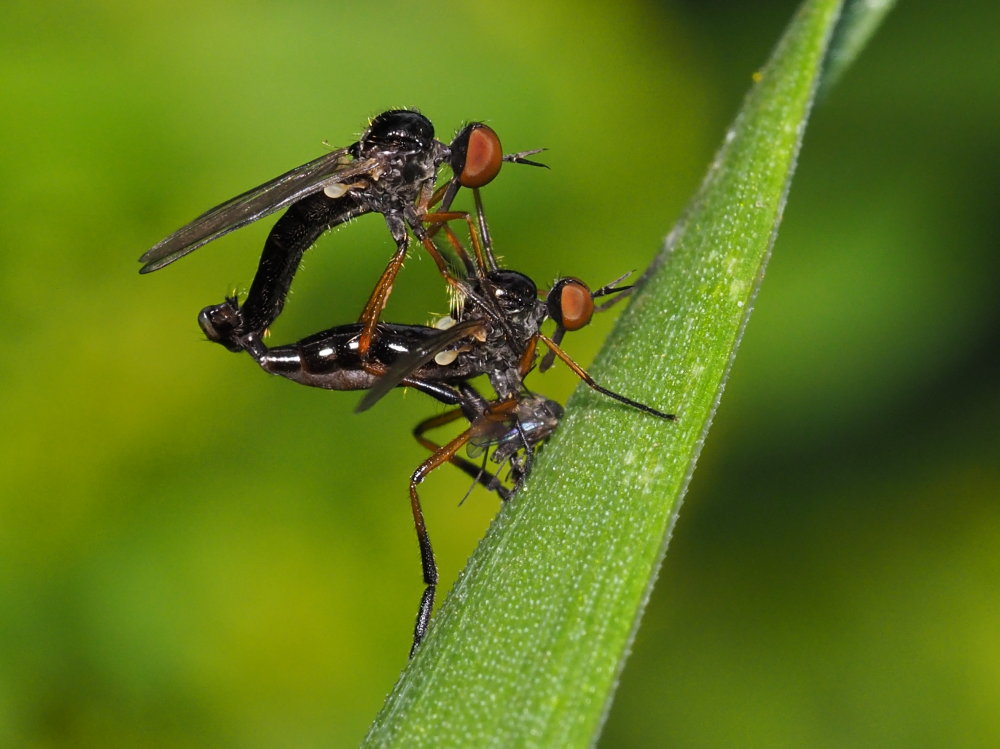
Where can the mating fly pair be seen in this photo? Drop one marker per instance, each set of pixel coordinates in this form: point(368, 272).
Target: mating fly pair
point(392, 170)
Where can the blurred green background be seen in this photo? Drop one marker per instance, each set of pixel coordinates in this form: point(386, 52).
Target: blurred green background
point(195, 554)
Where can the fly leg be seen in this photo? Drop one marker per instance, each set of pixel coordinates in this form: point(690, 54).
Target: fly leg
point(589, 381)
point(383, 288)
point(488, 480)
point(429, 567)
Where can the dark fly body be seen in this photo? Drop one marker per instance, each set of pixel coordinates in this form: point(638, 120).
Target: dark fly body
point(391, 170)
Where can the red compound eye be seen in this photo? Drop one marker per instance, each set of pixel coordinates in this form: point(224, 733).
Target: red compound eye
point(477, 155)
point(570, 303)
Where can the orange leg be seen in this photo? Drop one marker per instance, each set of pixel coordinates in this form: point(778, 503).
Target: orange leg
point(483, 250)
point(429, 567)
point(582, 374)
point(383, 288)
point(478, 473)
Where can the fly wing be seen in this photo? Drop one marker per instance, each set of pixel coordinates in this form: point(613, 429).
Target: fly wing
point(328, 169)
point(418, 357)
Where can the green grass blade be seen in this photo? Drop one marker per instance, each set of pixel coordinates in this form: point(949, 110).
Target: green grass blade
point(857, 23)
point(527, 649)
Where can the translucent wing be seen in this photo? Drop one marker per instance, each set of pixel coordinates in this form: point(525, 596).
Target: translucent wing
point(417, 358)
point(329, 169)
